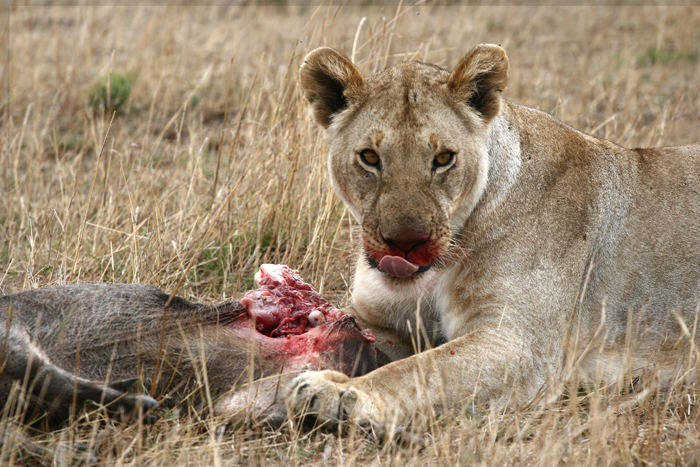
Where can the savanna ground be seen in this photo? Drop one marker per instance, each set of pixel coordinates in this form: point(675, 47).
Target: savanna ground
point(212, 166)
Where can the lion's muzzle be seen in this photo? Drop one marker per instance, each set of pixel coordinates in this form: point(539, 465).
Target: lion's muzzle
point(404, 254)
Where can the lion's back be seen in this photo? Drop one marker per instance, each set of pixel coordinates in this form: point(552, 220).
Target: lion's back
point(659, 251)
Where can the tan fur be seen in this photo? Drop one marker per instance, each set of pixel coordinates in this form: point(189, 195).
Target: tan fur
point(542, 236)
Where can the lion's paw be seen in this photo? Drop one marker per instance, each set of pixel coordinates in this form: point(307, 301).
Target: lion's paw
point(329, 397)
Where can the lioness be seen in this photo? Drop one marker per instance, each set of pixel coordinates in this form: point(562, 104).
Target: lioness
point(507, 232)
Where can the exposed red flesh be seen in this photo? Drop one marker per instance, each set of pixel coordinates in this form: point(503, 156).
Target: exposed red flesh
point(283, 303)
point(294, 324)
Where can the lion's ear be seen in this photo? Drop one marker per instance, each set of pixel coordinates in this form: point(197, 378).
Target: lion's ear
point(329, 80)
point(480, 77)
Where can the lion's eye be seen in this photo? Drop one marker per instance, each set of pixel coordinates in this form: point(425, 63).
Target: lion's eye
point(370, 158)
point(443, 159)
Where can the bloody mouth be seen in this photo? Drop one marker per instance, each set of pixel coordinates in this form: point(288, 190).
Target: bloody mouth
point(402, 261)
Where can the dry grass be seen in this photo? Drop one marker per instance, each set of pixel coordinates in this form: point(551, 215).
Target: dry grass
point(213, 166)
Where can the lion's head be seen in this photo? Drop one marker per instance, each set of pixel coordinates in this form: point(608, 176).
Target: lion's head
point(407, 149)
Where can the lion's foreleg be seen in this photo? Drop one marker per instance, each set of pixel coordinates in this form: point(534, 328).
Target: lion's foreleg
point(486, 366)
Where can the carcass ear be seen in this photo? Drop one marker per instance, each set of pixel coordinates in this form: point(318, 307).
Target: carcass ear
point(480, 77)
point(329, 80)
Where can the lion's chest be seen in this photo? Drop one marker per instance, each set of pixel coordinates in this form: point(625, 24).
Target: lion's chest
point(447, 295)
point(466, 301)
point(445, 300)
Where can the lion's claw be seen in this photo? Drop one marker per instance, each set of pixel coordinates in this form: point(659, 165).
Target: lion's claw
point(326, 397)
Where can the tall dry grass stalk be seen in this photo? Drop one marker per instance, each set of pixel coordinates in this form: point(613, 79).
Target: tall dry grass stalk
point(213, 166)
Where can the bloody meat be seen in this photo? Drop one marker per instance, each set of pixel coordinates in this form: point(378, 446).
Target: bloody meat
point(293, 322)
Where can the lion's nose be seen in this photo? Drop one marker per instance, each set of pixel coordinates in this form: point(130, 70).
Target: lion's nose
point(407, 240)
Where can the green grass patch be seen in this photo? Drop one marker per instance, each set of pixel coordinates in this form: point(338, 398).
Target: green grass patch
point(655, 55)
point(112, 91)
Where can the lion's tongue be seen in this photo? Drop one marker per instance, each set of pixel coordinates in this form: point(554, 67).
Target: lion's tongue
point(397, 266)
